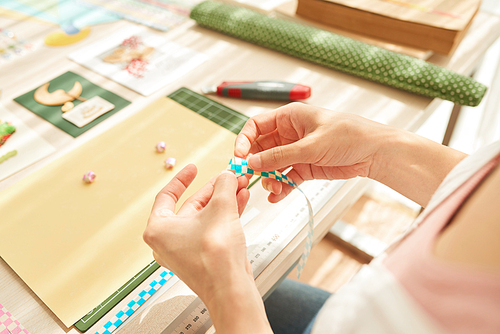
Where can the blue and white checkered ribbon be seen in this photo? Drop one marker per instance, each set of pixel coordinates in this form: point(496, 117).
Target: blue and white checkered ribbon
point(240, 167)
point(118, 319)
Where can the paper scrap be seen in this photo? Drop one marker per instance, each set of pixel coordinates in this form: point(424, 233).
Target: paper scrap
point(9, 324)
point(86, 112)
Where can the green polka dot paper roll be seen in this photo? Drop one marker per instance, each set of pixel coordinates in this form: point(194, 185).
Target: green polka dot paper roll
point(340, 53)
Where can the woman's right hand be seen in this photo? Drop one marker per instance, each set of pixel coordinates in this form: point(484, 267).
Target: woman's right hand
point(317, 143)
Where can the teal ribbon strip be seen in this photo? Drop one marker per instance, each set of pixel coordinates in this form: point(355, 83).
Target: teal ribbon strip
point(239, 167)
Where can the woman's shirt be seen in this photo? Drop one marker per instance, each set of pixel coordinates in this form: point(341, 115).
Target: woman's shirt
point(408, 289)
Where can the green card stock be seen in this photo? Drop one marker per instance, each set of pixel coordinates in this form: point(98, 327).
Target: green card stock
point(53, 114)
point(340, 53)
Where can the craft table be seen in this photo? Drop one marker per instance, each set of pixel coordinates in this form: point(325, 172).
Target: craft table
point(229, 60)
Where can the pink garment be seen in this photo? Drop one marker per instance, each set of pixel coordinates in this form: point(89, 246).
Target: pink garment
point(460, 299)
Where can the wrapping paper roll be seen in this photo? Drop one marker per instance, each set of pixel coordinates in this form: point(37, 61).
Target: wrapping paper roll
point(340, 53)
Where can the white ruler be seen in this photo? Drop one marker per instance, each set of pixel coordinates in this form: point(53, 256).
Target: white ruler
point(195, 319)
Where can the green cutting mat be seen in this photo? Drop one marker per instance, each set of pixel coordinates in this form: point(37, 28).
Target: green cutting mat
point(214, 111)
point(217, 113)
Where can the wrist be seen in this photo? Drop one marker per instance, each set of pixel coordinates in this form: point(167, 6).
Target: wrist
point(392, 146)
point(237, 307)
point(413, 165)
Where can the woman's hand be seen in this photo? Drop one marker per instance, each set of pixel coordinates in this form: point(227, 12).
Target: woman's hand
point(204, 245)
point(205, 236)
point(323, 144)
point(317, 144)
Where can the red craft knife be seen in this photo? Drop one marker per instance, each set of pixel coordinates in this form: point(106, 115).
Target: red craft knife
point(261, 90)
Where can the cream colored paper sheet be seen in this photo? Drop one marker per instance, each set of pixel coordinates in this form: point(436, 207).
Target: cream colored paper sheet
point(74, 243)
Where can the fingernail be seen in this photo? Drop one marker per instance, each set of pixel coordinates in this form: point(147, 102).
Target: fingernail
point(254, 161)
point(269, 187)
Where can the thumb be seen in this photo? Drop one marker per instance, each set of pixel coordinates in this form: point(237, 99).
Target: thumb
point(279, 157)
point(225, 187)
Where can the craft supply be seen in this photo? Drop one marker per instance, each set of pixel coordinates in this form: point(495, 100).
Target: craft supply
point(139, 299)
point(9, 324)
point(159, 14)
point(67, 106)
point(11, 47)
point(240, 167)
point(30, 146)
point(261, 90)
point(170, 163)
point(208, 108)
point(425, 9)
point(86, 112)
point(89, 177)
point(340, 53)
point(435, 25)
point(6, 131)
point(69, 15)
point(62, 38)
point(52, 113)
point(218, 113)
point(8, 155)
point(160, 147)
point(139, 59)
point(57, 97)
point(105, 219)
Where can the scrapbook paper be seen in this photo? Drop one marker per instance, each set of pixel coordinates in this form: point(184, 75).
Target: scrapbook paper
point(138, 59)
point(159, 14)
point(54, 114)
point(87, 111)
point(81, 242)
point(61, 12)
point(27, 144)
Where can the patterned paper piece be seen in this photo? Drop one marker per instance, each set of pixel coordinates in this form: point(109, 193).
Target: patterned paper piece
point(118, 319)
point(9, 324)
point(6, 130)
point(240, 167)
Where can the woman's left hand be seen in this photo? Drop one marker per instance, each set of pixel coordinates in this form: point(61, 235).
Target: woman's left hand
point(204, 243)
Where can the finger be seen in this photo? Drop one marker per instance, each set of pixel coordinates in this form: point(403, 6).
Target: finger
point(280, 156)
point(167, 197)
point(224, 195)
point(270, 140)
point(243, 181)
point(198, 200)
point(253, 128)
point(286, 188)
point(242, 199)
point(271, 185)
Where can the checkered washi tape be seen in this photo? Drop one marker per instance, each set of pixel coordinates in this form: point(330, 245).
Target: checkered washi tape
point(118, 319)
point(240, 167)
point(9, 324)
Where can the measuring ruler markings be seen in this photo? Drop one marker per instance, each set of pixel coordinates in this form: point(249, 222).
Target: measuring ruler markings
point(195, 319)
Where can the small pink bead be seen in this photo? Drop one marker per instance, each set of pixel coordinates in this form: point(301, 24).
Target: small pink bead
point(160, 147)
point(89, 177)
point(170, 163)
